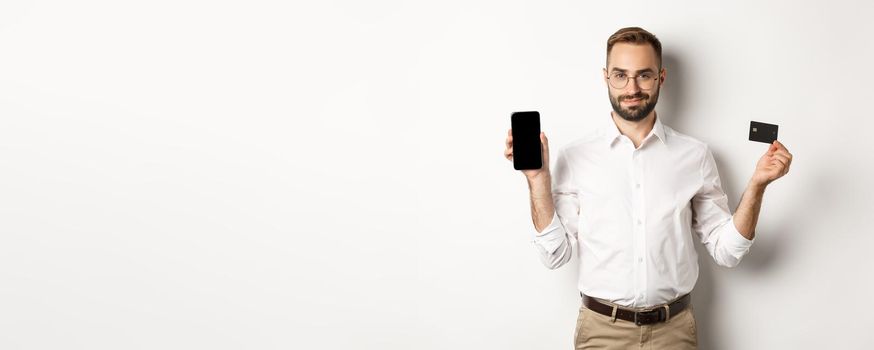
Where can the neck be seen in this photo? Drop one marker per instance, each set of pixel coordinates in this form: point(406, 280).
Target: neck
point(636, 131)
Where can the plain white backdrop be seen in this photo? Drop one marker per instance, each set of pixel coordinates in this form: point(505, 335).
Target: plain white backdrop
point(329, 175)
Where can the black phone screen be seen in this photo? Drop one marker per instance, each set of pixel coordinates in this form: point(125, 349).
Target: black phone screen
point(526, 140)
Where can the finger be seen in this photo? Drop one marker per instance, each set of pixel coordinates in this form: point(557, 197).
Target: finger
point(785, 156)
point(783, 152)
point(782, 159)
point(781, 168)
point(772, 148)
point(780, 145)
point(780, 163)
point(776, 162)
point(777, 169)
point(787, 162)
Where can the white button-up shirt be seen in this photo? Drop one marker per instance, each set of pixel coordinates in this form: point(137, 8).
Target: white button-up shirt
point(629, 215)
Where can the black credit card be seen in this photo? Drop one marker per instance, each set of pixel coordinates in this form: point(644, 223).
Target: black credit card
point(763, 132)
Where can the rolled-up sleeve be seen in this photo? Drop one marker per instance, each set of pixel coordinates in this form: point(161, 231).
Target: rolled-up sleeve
point(713, 221)
point(558, 241)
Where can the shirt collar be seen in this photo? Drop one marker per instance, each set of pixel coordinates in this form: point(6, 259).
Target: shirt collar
point(611, 131)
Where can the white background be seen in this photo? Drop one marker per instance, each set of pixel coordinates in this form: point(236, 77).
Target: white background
point(329, 175)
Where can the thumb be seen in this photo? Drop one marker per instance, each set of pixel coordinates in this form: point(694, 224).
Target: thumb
point(773, 148)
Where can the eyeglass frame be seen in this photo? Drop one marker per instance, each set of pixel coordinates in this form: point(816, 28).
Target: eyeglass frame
point(656, 78)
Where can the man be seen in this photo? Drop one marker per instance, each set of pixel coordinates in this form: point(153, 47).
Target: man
point(628, 198)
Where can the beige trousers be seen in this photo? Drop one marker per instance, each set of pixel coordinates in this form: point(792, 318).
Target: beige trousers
point(597, 331)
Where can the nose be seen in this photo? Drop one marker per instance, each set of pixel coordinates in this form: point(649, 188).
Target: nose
point(632, 87)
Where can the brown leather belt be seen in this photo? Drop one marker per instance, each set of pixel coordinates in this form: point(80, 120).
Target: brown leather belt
point(654, 315)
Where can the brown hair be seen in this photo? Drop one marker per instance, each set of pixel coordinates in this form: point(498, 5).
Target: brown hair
point(635, 35)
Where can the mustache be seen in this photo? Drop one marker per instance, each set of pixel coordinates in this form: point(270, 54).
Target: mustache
point(638, 95)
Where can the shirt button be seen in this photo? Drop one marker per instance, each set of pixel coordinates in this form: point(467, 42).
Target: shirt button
point(637, 185)
point(638, 222)
point(640, 260)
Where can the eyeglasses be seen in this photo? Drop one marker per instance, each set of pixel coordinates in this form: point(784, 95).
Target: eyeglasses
point(645, 81)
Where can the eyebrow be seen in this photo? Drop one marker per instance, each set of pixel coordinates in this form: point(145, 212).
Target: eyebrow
point(646, 70)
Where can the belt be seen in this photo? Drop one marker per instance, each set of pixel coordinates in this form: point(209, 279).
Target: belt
point(656, 314)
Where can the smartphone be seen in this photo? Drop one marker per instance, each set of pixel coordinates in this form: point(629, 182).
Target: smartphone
point(526, 140)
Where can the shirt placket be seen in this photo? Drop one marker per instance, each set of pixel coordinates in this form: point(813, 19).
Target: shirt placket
point(639, 224)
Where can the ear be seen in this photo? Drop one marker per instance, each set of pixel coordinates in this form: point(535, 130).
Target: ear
point(662, 76)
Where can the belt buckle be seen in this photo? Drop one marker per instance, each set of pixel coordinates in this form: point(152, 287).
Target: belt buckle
point(650, 316)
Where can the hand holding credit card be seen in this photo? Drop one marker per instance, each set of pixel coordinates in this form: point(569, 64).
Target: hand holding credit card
point(776, 160)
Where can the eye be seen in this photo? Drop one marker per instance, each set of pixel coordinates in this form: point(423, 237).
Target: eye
point(646, 76)
point(620, 75)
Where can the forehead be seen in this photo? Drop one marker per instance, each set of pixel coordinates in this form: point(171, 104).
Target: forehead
point(632, 57)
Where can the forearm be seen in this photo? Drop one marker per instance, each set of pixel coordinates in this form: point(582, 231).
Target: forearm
point(747, 214)
point(542, 206)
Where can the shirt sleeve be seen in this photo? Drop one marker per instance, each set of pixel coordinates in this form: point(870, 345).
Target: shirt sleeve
point(557, 242)
point(713, 221)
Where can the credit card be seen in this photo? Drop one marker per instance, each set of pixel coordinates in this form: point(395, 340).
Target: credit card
point(763, 132)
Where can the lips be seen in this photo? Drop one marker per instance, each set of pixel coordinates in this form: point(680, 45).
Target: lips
point(632, 101)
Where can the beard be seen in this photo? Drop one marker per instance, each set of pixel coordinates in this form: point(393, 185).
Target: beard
point(634, 113)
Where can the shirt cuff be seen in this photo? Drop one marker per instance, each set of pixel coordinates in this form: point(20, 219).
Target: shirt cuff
point(552, 237)
point(736, 243)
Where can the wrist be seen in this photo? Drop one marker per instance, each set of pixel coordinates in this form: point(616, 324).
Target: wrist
point(757, 186)
point(539, 179)
point(540, 186)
